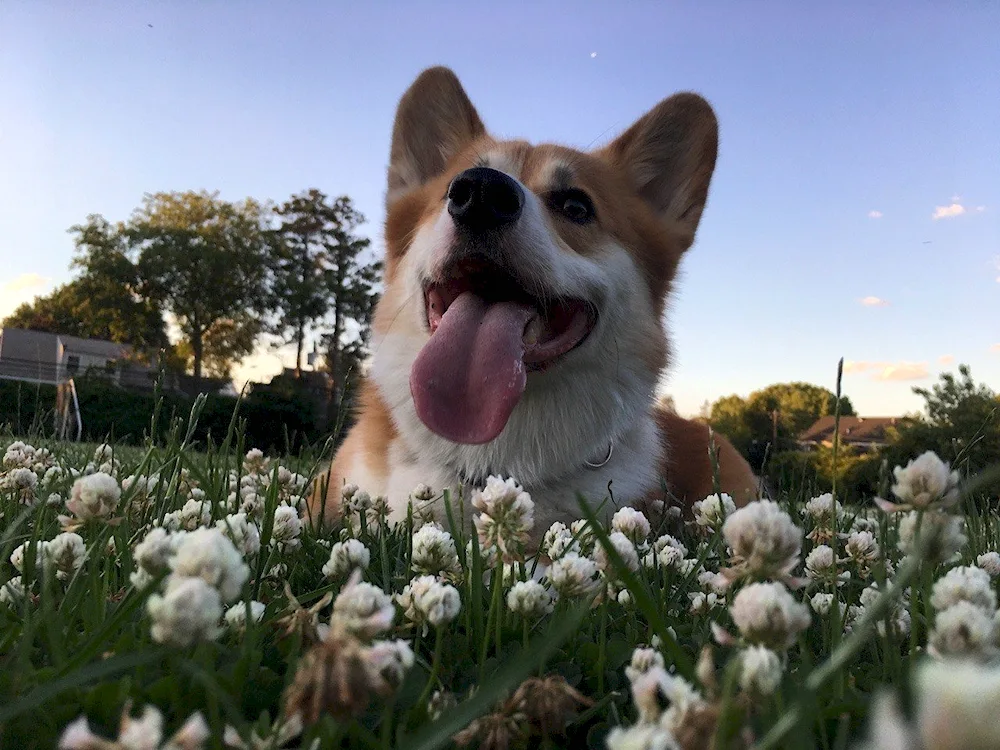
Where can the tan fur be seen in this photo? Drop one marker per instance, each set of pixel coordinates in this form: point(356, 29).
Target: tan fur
point(649, 187)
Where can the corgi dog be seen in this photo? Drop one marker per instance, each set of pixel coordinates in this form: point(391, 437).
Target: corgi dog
point(520, 329)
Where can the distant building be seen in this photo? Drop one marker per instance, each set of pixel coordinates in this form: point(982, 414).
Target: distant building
point(40, 357)
point(865, 433)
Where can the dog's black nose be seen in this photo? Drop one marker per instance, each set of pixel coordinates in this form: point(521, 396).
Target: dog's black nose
point(482, 198)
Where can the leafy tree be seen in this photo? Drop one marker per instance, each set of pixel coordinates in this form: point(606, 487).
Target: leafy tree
point(961, 423)
point(304, 242)
point(205, 260)
point(769, 420)
point(105, 300)
point(352, 289)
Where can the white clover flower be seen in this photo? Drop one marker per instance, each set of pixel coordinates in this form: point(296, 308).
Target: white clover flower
point(702, 602)
point(990, 562)
point(572, 575)
point(186, 613)
point(65, 554)
point(346, 557)
point(925, 483)
point(17, 556)
point(506, 517)
point(957, 703)
point(766, 614)
point(54, 500)
point(347, 492)
point(530, 599)
point(23, 483)
point(558, 540)
point(255, 462)
point(137, 733)
point(12, 592)
point(208, 554)
point(359, 501)
point(94, 496)
point(287, 527)
point(425, 600)
point(713, 511)
point(823, 510)
point(625, 549)
point(644, 660)
point(363, 609)
point(761, 670)
point(632, 523)
point(964, 584)
point(898, 615)
point(763, 541)
point(194, 514)
point(434, 551)
point(863, 550)
point(153, 554)
point(389, 661)
point(641, 737)
point(945, 531)
point(236, 616)
point(714, 582)
point(821, 566)
point(667, 551)
point(821, 603)
point(243, 533)
point(657, 687)
point(963, 630)
point(624, 597)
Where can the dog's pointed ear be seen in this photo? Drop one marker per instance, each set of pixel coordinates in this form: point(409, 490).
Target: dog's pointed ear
point(434, 121)
point(669, 155)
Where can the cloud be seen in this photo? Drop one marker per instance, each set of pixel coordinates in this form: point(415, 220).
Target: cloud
point(851, 366)
point(888, 371)
point(995, 348)
point(872, 301)
point(903, 371)
point(874, 214)
point(21, 289)
point(948, 212)
point(26, 281)
point(980, 209)
point(946, 359)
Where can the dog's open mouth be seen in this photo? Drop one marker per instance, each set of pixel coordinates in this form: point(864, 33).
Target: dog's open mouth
point(487, 333)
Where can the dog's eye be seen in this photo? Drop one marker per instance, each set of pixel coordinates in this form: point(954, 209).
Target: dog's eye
point(575, 205)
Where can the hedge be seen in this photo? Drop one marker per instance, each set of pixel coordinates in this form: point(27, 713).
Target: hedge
point(110, 412)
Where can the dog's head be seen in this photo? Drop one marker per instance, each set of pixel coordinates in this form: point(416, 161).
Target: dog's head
point(520, 329)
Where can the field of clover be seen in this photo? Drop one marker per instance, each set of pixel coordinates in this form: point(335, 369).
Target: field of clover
point(168, 597)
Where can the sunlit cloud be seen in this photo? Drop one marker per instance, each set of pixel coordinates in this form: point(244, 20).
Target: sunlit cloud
point(946, 359)
point(21, 289)
point(874, 214)
point(903, 371)
point(948, 212)
point(872, 301)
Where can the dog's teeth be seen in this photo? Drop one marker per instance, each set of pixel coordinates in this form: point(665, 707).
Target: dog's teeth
point(533, 331)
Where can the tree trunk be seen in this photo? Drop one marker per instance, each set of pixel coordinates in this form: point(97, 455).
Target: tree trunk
point(197, 351)
point(299, 337)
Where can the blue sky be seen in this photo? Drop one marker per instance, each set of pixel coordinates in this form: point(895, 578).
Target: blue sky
point(844, 131)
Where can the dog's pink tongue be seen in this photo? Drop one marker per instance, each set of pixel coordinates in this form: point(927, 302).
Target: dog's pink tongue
point(468, 378)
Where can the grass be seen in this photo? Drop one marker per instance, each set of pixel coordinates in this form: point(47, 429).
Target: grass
point(82, 644)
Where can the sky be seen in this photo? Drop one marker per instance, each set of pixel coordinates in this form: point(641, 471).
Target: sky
point(854, 212)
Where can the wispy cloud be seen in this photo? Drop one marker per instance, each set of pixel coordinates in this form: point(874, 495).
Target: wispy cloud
point(995, 348)
point(904, 371)
point(874, 214)
point(888, 371)
point(946, 359)
point(872, 301)
point(948, 212)
point(26, 281)
point(980, 209)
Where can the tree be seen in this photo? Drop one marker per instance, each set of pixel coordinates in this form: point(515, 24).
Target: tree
point(961, 423)
point(351, 286)
point(770, 420)
point(105, 300)
point(302, 274)
point(206, 261)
